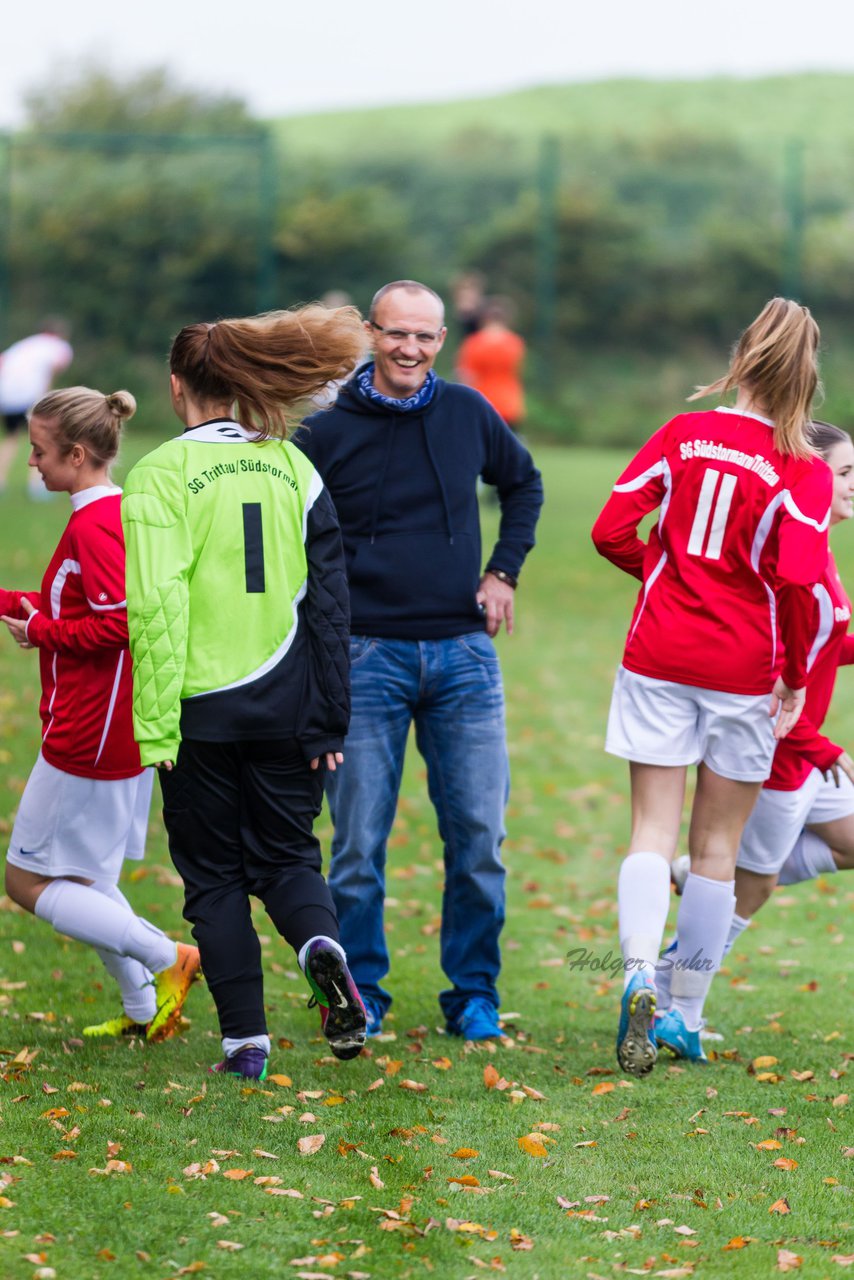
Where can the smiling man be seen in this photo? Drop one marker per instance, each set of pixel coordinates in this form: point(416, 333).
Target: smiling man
point(401, 452)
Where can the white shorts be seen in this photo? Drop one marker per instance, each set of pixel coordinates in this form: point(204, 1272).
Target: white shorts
point(70, 826)
point(775, 825)
point(658, 722)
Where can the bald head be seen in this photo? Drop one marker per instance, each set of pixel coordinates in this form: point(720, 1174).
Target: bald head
point(408, 287)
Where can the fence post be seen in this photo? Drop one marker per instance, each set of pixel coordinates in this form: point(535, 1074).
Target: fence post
point(545, 293)
point(266, 221)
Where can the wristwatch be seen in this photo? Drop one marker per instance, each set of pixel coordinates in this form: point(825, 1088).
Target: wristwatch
point(504, 577)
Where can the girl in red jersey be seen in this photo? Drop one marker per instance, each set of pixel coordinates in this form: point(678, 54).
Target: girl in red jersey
point(85, 806)
point(741, 539)
point(803, 822)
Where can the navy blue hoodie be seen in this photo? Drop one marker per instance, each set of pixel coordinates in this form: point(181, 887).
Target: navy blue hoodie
point(405, 489)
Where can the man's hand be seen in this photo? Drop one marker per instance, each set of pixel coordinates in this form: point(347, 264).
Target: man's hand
point(844, 764)
point(333, 759)
point(789, 703)
point(496, 597)
point(18, 626)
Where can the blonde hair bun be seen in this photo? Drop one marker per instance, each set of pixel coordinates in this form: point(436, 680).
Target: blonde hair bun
point(122, 404)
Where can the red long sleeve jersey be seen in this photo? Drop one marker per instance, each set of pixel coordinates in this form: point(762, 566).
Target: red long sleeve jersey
point(741, 539)
point(80, 630)
point(806, 747)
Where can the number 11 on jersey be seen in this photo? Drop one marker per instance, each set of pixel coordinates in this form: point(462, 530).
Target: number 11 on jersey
point(701, 526)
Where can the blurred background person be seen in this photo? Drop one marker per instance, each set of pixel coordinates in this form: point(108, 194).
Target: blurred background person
point(491, 358)
point(27, 371)
point(467, 290)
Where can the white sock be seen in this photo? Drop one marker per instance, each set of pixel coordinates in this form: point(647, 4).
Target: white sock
point(320, 937)
point(705, 914)
point(134, 980)
point(643, 899)
point(738, 926)
point(81, 912)
point(810, 857)
point(664, 977)
point(231, 1046)
point(135, 985)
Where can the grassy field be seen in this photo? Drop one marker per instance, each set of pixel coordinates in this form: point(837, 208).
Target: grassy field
point(119, 1159)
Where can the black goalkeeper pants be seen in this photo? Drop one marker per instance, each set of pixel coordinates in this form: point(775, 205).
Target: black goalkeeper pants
point(240, 817)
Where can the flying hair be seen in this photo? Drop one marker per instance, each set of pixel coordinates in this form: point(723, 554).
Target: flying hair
point(776, 362)
point(267, 364)
point(80, 415)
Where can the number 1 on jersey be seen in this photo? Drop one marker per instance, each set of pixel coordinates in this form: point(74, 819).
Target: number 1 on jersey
point(253, 547)
point(718, 518)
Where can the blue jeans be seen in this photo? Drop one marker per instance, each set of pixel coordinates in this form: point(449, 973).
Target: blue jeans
point(452, 690)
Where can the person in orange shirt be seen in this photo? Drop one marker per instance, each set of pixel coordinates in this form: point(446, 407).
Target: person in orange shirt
point(491, 362)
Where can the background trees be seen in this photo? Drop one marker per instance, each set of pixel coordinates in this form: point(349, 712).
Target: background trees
point(134, 206)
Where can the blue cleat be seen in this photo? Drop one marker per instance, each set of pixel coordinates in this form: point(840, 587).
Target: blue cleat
point(478, 1021)
point(636, 1048)
point(676, 1040)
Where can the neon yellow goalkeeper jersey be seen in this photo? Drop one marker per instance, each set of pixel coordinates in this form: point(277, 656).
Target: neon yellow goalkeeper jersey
point(237, 600)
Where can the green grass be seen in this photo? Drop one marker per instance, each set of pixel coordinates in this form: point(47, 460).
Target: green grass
point(666, 1140)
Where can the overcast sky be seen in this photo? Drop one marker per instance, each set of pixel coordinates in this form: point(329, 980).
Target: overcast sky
point(285, 58)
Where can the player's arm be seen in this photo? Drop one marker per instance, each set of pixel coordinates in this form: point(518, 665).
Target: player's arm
point(101, 556)
point(810, 743)
point(510, 467)
point(638, 491)
point(327, 616)
point(801, 561)
point(12, 603)
point(159, 555)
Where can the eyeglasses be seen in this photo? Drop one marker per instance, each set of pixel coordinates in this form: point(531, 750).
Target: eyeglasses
point(423, 338)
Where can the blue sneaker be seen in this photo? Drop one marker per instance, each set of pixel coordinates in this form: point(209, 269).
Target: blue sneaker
point(374, 1016)
point(676, 1040)
point(636, 1048)
point(478, 1021)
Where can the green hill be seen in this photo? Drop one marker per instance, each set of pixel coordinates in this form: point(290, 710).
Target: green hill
point(816, 107)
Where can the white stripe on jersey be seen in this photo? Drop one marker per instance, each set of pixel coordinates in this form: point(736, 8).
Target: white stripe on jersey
point(796, 513)
point(825, 622)
point(763, 529)
point(663, 509)
point(639, 481)
point(114, 692)
point(67, 567)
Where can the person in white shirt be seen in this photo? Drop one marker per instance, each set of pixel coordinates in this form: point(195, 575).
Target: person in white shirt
point(27, 371)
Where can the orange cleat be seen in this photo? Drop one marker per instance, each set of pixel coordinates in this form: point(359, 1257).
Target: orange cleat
point(171, 987)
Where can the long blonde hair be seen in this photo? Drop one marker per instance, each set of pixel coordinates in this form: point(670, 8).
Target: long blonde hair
point(268, 363)
point(776, 360)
